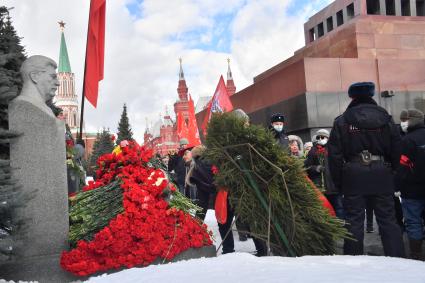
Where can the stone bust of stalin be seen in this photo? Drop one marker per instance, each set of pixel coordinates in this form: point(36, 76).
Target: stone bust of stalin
point(40, 82)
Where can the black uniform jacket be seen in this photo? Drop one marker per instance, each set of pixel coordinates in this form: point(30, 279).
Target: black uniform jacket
point(281, 138)
point(364, 126)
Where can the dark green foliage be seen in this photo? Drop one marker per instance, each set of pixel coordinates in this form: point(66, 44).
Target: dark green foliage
point(124, 129)
point(11, 58)
point(281, 179)
point(11, 197)
point(91, 211)
point(102, 145)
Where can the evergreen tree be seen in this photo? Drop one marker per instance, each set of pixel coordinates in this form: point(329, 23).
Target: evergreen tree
point(124, 129)
point(102, 145)
point(11, 58)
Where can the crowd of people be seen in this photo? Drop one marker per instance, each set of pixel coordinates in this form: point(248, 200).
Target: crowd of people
point(365, 165)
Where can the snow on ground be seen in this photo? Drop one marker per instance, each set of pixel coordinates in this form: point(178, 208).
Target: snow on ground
point(242, 266)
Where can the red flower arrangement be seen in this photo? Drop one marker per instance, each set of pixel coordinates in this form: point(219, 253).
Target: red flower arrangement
point(322, 154)
point(147, 230)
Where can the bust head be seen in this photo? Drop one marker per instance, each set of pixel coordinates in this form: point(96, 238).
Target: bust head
point(40, 71)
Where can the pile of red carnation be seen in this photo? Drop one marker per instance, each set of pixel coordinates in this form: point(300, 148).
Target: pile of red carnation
point(147, 230)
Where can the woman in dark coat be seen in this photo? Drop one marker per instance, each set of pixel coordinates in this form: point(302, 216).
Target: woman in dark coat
point(318, 171)
point(200, 175)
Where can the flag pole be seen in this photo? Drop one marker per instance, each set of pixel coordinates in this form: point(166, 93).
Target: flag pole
point(82, 110)
point(83, 97)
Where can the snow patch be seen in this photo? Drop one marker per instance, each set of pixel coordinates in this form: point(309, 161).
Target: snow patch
point(242, 266)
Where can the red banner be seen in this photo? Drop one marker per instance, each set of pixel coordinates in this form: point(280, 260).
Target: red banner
point(220, 102)
point(95, 50)
point(193, 136)
point(182, 130)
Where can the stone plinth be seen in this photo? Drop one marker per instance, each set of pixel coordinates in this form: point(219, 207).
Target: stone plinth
point(38, 157)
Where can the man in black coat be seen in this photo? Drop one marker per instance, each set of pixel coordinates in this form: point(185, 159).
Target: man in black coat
point(176, 166)
point(364, 149)
point(277, 121)
point(410, 178)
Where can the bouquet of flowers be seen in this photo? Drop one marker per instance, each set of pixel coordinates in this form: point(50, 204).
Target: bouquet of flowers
point(322, 154)
point(131, 216)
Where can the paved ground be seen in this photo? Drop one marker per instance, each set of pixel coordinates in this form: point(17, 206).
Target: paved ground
point(372, 241)
point(373, 244)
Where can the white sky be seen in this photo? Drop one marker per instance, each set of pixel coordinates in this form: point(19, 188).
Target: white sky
point(145, 39)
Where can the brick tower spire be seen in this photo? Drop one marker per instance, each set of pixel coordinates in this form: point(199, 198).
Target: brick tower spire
point(65, 95)
point(182, 104)
point(182, 89)
point(230, 85)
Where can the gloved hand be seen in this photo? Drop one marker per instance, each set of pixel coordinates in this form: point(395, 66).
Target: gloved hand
point(320, 168)
point(397, 194)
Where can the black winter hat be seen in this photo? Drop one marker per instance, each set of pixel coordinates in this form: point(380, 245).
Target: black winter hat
point(362, 89)
point(416, 118)
point(277, 117)
point(239, 113)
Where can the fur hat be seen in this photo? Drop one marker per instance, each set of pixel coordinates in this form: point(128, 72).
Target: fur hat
point(198, 151)
point(403, 115)
point(362, 89)
point(239, 113)
point(416, 118)
point(277, 117)
point(308, 144)
point(183, 141)
point(322, 133)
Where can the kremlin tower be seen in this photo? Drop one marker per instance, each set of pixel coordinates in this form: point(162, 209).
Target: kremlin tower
point(230, 84)
point(163, 135)
point(182, 104)
point(65, 95)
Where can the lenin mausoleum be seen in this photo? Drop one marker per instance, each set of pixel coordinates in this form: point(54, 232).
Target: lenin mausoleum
point(348, 41)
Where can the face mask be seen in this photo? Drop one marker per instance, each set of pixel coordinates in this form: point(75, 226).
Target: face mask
point(278, 128)
point(322, 141)
point(404, 126)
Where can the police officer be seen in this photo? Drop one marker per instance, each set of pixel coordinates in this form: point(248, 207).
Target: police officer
point(277, 121)
point(364, 149)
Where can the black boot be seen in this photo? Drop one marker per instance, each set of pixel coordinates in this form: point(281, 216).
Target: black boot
point(261, 247)
point(416, 249)
point(243, 237)
point(369, 228)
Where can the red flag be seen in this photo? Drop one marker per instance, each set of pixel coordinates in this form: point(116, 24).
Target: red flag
point(193, 136)
point(182, 130)
point(95, 50)
point(220, 102)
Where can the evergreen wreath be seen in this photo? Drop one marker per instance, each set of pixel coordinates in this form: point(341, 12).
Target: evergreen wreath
point(269, 189)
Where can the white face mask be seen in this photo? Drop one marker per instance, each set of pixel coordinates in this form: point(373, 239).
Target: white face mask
point(404, 126)
point(278, 128)
point(322, 141)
